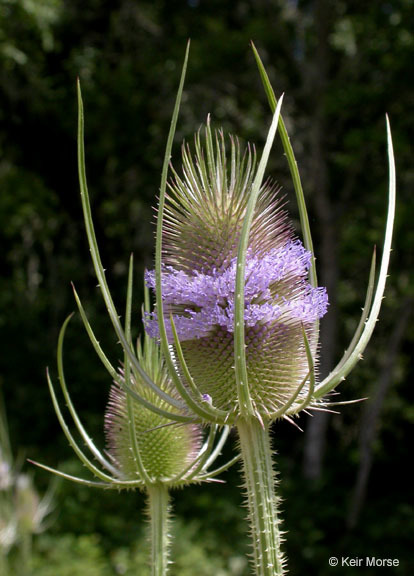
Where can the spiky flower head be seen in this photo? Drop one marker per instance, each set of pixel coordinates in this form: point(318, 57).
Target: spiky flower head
point(204, 213)
point(166, 449)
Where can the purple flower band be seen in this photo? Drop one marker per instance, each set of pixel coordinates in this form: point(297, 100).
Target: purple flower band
point(199, 302)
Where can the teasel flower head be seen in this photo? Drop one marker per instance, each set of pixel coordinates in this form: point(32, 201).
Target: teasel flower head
point(238, 304)
point(204, 214)
point(166, 450)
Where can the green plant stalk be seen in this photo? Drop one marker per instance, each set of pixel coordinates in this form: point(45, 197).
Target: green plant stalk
point(262, 501)
point(159, 511)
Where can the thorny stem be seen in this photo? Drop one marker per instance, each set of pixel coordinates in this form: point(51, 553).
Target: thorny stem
point(262, 501)
point(158, 510)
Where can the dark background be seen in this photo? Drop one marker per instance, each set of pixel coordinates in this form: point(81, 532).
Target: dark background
point(345, 480)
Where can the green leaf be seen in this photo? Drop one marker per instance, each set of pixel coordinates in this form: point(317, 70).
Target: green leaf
point(172, 369)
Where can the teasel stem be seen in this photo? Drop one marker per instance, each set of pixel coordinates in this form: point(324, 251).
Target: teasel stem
point(262, 501)
point(159, 511)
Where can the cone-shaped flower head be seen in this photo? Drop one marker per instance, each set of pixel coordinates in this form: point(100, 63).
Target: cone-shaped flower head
point(166, 449)
point(204, 214)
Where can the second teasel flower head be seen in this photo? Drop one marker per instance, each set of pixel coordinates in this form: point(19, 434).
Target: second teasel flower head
point(204, 213)
point(166, 450)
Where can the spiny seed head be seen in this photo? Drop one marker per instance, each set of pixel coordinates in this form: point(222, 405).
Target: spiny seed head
point(204, 214)
point(166, 449)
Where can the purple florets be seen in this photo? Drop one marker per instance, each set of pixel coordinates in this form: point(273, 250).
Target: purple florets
point(275, 289)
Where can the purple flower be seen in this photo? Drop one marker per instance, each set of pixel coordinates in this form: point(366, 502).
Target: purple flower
point(203, 218)
point(200, 302)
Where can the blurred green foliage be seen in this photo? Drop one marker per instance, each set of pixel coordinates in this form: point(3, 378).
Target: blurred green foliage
point(128, 56)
